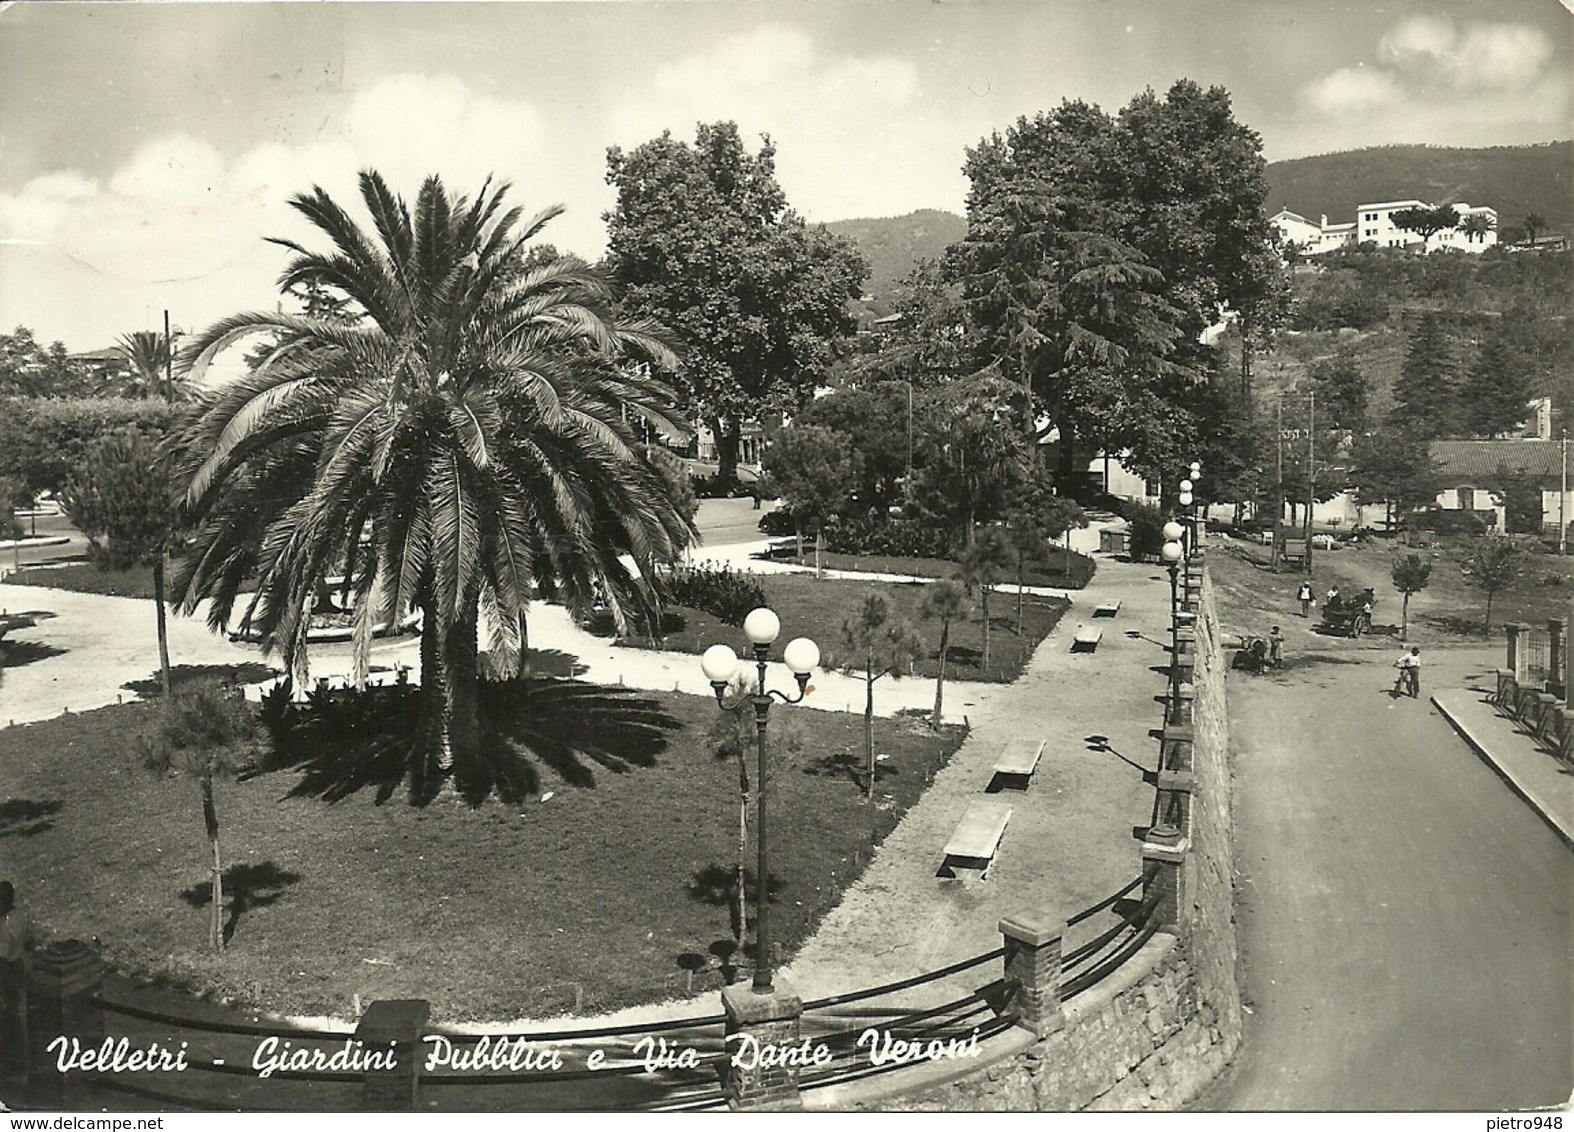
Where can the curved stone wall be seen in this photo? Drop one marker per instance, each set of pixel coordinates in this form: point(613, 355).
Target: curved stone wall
point(1151, 1036)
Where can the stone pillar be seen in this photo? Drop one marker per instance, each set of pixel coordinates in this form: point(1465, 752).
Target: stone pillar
point(62, 980)
point(1033, 961)
point(772, 1020)
point(397, 1025)
point(1557, 676)
point(1177, 785)
point(1163, 866)
point(1518, 653)
point(1178, 705)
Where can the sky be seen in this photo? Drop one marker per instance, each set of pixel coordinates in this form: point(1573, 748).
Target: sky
point(148, 149)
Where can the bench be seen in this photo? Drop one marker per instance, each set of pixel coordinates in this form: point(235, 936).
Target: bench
point(1106, 609)
point(1019, 759)
point(976, 837)
point(1086, 640)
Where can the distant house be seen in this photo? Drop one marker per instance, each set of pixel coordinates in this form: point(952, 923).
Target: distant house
point(1312, 239)
point(1374, 224)
point(1477, 475)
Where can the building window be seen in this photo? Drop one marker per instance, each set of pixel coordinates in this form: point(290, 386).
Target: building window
point(1467, 499)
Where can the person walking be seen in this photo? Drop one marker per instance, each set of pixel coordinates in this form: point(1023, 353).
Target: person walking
point(15, 933)
point(1275, 647)
point(1408, 680)
point(1304, 596)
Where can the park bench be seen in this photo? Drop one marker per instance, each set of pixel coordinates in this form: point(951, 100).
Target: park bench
point(1106, 609)
point(1086, 639)
point(1019, 759)
point(976, 838)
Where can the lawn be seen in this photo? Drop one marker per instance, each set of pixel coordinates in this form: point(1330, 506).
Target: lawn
point(1050, 571)
point(85, 578)
point(818, 608)
point(602, 890)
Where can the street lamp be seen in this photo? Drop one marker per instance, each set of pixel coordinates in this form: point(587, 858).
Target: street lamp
point(1172, 552)
point(720, 664)
point(1201, 521)
point(1185, 502)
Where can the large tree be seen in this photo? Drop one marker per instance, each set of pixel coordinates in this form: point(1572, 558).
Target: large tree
point(1062, 306)
point(1427, 392)
point(703, 241)
point(30, 369)
point(1426, 221)
point(458, 436)
point(1393, 467)
point(1496, 394)
point(120, 499)
point(1341, 390)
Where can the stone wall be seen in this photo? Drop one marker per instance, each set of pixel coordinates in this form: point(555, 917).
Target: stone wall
point(1152, 1035)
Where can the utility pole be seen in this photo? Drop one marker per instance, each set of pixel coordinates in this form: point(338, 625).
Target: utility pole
point(1311, 473)
point(1563, 496)
point(1278, 474)
point(169, 361)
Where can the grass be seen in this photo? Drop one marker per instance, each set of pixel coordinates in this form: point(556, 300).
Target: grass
point(818, 608)
point(603, 895)
point(85, 578)
point(1050, 571)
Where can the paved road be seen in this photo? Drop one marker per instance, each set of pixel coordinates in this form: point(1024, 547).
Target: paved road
point(1404, 919)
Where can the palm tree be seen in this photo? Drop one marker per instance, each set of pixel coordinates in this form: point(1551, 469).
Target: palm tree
point(457, 436)
point(146, 354)
point(1476, 226)
point(945, 601)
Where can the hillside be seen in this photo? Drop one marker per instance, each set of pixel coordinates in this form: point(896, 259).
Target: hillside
point(893, 245)
point(1515, 180)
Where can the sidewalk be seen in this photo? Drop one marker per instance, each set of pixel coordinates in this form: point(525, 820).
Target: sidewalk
point(1530, 772)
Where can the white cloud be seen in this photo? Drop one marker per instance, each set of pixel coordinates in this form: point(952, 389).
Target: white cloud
point(1430, 50)
point(184, 226)
point(1434, 81)
point(832, 120)
point(1354, 90)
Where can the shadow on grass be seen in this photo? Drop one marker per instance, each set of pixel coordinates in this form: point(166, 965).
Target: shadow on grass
point(15, 654)
point(20, 817)
point(556, 662)
point(345, 741)
point(246, 887)
point(850, 765)
point(249, 672)
point(1459, 626)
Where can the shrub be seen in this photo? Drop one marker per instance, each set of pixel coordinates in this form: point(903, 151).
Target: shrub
point(723, 592)
point(43, 441)
point(873, 533)
point(1146, 529)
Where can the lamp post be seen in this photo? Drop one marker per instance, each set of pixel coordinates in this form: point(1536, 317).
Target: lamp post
point(1201, 522)
point(720, 664)
point(1189, 543)
point(1172, 552)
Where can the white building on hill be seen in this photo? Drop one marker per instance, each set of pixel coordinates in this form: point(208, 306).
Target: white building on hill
point(1374, 224)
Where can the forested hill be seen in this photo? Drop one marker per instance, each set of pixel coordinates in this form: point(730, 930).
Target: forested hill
point(1515, 180)
point(893, 245)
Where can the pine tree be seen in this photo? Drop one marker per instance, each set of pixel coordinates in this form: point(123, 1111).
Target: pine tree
point(1427, 394)
point(1495, 391)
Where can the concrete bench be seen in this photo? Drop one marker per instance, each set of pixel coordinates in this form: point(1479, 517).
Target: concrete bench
point(1106, 609)
point(1086, 639)
point(1019, 759)
point(976, 838)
